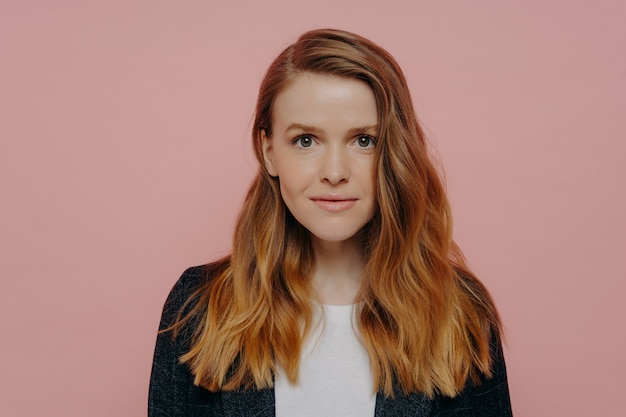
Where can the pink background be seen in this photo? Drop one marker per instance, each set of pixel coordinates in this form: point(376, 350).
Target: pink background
point(124, 157)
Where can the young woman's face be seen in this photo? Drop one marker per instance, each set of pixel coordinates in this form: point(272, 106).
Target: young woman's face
point(322, 151)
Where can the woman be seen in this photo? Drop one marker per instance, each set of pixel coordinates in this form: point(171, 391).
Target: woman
point(344, 293)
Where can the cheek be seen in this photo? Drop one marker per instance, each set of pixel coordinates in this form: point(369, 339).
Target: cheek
point(367, 178)
point(294, 174)
point(290, 181)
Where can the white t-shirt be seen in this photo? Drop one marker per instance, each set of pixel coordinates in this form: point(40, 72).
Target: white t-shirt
point(335, 376)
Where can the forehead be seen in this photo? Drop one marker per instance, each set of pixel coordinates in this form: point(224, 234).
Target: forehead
point(314, 99)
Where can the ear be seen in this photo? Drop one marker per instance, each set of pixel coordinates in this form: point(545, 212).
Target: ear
point(268, 154)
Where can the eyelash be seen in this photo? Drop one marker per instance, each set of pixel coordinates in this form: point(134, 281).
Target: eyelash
point(372, 141)
point(298, 141)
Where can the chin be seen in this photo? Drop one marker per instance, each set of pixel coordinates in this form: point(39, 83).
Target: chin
point(335, 237)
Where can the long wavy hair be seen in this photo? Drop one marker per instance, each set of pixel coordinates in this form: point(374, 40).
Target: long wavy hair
point(423, 317)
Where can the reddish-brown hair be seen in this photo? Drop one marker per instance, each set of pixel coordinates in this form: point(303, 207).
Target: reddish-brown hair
point(425, 320)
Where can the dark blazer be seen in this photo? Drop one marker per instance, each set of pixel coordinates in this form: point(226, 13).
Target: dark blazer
point(173, 394)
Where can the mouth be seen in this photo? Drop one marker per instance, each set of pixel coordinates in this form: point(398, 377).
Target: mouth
point(334, 204)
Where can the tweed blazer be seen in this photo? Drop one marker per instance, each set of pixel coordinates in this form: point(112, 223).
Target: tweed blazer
point(172, 392)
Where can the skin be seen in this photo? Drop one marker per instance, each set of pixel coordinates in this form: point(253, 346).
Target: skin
point(322, 151)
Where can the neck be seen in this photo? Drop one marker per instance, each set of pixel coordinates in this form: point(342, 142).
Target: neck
point(338, 268)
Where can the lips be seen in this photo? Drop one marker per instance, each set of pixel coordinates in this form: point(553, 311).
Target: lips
point(334, 204)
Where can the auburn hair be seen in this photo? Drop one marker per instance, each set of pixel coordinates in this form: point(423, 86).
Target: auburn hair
point(424, 318)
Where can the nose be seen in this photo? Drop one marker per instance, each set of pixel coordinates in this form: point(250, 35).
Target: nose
point(335, 165)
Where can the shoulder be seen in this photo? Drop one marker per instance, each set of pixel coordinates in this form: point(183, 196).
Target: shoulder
point(191, 279)
point(481, 301)
point(471, 285)
point(172, 382)
point(188, 289)
point(487, 397)
point(189, 282)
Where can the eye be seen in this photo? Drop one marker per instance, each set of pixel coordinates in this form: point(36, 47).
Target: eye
point(365, 141)
point(304, 141)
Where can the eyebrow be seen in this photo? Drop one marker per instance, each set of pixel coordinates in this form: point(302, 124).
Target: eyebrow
point(305, 128)
point(316, 130)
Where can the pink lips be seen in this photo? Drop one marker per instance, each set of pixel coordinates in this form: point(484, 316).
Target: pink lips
point(334, 204)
